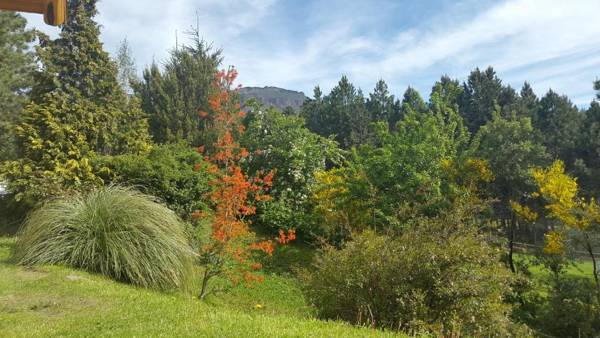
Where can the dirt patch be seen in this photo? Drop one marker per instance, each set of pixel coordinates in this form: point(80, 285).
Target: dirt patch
point(30, 273)
point(49, 306)
point(44, 305)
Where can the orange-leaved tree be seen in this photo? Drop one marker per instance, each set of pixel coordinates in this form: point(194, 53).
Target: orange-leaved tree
point(231, 247)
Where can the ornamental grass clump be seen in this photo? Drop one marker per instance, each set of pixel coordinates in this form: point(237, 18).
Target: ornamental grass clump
point(115, 231)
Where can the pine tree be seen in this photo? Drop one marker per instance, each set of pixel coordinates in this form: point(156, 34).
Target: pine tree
point(528, 102)
point(173, 97)
point(77, 110)
point(360, 120)
point(380, 103)
point(560, 122)
point(589, 144)
point(480, 95)
point(313, 114)
point(412, 100)
point(126, 67)
point(346, 114)
point(342, 113)
point(507, 100)
point(16, 70)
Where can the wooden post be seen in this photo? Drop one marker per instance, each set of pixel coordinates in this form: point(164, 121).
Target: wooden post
point(55, 11)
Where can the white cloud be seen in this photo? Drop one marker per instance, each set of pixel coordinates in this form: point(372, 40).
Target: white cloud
point(514, 34)
point(550, 43)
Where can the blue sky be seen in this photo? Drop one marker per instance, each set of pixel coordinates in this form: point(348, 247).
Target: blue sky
point(299, 44)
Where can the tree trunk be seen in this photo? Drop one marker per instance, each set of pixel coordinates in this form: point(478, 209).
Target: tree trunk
point(205, 278)
point(511, 243)
point(595, 266)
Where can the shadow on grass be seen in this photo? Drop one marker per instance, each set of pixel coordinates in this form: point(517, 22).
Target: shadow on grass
point(7, 245)
point(288, 259)
point(12, 215)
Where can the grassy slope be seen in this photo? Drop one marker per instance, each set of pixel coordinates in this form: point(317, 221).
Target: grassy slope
point(57, 301)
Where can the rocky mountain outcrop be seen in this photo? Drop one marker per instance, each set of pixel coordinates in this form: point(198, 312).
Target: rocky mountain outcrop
point(273, 96)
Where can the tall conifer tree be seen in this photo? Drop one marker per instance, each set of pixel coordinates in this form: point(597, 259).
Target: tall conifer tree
point(173, 97)
point(16, 70)
point(480, 95)
point(560, 122)
point(381, 103)
point(77, 110)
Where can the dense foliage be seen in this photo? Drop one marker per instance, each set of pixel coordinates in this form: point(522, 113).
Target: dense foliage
point(118, 232)
point(280, 143)
point(402, 174)
point(167, 172)
point(450, 283)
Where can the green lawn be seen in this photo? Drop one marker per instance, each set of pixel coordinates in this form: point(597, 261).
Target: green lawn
point(581, 268)
point(57, 301)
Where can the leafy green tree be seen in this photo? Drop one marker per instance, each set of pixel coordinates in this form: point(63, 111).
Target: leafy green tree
point(511, 147)
point(16, 70)
point(172, 98)
point(569, 311)
point(447, 91)
point(411, 101)
point(597, 88)
point(281, 143)
point(560, 121)
point(443, 104)
point(402, 171)
point(78, 110)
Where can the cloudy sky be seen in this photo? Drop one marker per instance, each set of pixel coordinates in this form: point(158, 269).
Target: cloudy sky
point(299, 44)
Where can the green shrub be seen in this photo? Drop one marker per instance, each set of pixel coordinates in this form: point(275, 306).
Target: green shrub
point(571, 309)
point(427, 279)
point(115, 231)
point(166, 172)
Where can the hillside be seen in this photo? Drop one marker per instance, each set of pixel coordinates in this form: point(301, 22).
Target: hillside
point(56, 301)
point(274, 96)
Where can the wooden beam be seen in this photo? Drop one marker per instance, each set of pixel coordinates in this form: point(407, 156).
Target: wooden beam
point(31, 6)
point(55, 11)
